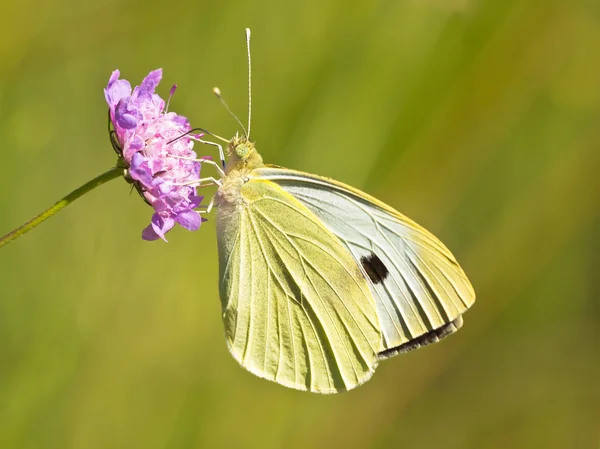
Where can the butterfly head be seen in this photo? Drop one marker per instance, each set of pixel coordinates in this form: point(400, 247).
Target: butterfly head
point(243, 150)
point(242, 154)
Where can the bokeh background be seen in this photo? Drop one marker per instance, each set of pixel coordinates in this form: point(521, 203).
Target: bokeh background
point(480, 119)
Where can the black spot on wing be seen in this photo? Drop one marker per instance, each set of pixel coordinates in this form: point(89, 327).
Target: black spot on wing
point(374, 268)
point(430, 337)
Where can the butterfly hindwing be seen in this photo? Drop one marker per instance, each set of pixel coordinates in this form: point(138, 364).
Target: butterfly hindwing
point(419, 289)
point(297, 309)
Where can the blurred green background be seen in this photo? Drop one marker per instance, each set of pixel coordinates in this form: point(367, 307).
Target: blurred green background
point(480, 119)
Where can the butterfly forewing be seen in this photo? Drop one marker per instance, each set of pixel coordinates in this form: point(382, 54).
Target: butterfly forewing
point(296, 306)
point(419, 289)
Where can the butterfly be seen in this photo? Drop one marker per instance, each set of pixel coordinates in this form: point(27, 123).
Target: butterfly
point(320, 281)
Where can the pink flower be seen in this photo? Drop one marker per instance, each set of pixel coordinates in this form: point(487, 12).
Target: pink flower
point(164, 170)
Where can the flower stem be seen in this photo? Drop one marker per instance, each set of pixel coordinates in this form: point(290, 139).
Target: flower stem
point(90, 185)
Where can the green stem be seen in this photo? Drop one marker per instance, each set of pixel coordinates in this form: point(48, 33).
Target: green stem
point(90, 185)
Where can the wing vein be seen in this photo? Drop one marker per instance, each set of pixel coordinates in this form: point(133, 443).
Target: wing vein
point(292, 339)
point(304, 258)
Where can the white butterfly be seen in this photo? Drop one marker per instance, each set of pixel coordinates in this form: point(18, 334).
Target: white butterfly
point(320, 281)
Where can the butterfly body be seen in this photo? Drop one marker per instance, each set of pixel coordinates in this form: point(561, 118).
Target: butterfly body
point(319, 281)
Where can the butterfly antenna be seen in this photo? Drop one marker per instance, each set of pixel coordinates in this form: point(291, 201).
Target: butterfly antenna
point(249, 81)
point(217, 92)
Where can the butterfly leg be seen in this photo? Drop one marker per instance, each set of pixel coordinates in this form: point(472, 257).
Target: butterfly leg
point(206, 142)
point(203, 161)
point(208, 182)
point(214, 164)
point(221, 154)
point(209, 207)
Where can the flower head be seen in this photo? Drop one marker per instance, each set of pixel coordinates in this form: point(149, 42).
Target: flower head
point(160, 163)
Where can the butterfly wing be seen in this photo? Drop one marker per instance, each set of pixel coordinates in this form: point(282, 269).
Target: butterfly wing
point(296, 307)
point(420, 290)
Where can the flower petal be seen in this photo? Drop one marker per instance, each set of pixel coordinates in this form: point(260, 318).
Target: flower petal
point(189, 220)
point(140, 171)
point(149, 234)
point(151, 81)
point(159, 226)
point(116, 89)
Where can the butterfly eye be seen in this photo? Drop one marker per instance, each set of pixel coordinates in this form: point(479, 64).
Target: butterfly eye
point(242, 151)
